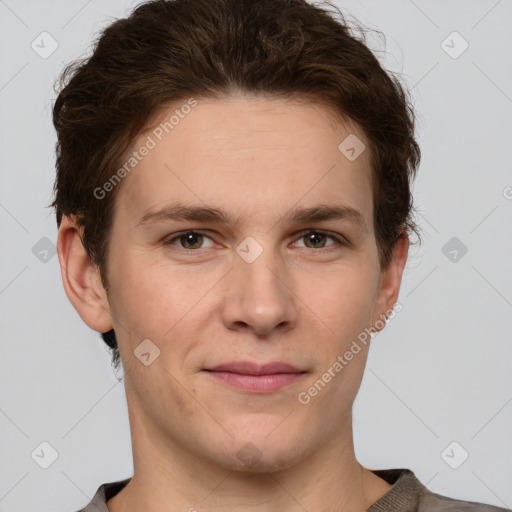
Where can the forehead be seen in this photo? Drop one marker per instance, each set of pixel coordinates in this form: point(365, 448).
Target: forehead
point(251, 155)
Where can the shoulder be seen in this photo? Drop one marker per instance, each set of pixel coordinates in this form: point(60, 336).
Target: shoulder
point(103, 494)
point(408, 494)
point(430, 502)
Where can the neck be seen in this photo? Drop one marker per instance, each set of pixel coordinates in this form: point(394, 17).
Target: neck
point(167, 478)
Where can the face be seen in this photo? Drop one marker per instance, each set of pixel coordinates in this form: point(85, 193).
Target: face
point(245, 238)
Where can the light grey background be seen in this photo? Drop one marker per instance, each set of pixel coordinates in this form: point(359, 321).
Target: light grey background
point(440, 372)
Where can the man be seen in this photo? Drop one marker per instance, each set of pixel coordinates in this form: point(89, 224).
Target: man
point(234, 209)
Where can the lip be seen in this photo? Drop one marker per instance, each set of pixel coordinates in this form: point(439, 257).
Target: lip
point(249, 368)
point(257, 378)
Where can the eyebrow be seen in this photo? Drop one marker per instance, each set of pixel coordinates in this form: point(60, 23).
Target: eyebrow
point(295, 215)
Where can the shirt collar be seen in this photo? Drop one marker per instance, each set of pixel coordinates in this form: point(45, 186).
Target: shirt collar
point(402, 496)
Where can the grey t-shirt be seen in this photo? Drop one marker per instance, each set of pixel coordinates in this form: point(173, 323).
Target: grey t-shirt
point(407, 494)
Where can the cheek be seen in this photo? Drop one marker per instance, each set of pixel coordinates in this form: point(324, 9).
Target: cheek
point(344, 299)
point(140, 299)
point(150, 300)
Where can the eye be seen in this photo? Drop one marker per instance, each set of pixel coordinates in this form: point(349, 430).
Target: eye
point(317, 239)
point(193, 240)
point(189, 240)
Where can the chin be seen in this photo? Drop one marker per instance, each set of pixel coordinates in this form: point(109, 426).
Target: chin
point(261, 455)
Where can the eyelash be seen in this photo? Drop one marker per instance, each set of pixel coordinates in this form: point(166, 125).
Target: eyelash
point(340, 240)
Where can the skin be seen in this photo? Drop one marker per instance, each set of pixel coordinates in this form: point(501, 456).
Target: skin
point(299, 302)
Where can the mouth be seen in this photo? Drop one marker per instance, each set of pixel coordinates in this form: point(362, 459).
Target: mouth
point(256, 378)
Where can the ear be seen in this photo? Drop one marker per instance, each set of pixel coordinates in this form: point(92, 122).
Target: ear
point(389, 283)
point(81, 278)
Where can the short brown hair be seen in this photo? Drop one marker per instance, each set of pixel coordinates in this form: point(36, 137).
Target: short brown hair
point(170, 50)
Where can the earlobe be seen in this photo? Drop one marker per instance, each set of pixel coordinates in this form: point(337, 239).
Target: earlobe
point(81, 278)
point(389, 284)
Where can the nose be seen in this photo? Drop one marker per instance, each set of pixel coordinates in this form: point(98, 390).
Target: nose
point(259, 296)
